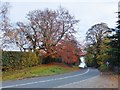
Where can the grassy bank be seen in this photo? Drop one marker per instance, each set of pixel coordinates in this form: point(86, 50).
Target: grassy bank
point(37, 71)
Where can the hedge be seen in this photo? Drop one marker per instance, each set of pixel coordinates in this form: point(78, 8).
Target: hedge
point(18, 60)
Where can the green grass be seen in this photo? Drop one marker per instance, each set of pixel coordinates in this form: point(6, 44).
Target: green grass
point(42, 70)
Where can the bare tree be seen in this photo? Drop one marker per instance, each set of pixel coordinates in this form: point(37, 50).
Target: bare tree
point(20, 39)
point(46, 28)
point(5, 26)
point(96, 33)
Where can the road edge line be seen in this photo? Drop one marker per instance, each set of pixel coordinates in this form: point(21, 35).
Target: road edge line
point(45, 80)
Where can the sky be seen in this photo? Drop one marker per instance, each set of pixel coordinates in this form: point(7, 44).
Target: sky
point(89, 12)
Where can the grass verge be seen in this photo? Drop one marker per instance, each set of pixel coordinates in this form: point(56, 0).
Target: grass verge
point(37, 71)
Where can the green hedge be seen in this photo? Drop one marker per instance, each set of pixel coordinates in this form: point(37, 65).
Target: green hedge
point(103, 68)
point(18, 60)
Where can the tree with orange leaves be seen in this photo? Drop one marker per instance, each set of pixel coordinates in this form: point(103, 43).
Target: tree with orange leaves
point(69, 51)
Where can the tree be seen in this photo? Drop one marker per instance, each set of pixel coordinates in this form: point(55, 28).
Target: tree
point(4, 10)
point(97, 42)
point(114, 52)
point(48, 27)
point(20, 40)
point(5, 27)
point(69, 51)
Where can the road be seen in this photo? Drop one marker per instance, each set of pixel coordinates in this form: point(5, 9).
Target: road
point(55, 81)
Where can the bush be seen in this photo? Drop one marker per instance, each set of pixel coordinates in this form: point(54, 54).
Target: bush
point(104, 68)
point(10, 59)
point(18, 60)
point(33, 59)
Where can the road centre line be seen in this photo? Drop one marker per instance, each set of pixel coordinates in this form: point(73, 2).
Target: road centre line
point(45, 80)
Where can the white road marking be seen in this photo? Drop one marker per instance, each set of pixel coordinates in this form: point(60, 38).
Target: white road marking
point(62, 86)
point(46, 80)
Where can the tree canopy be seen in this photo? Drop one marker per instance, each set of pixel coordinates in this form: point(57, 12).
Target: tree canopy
point(96, 38)
point(45, 29)
point(114, 52)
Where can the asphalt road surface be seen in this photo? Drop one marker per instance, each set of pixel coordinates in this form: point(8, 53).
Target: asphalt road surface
point(55, 81)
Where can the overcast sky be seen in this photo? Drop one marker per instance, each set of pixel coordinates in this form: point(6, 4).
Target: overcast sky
point(89, 12)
